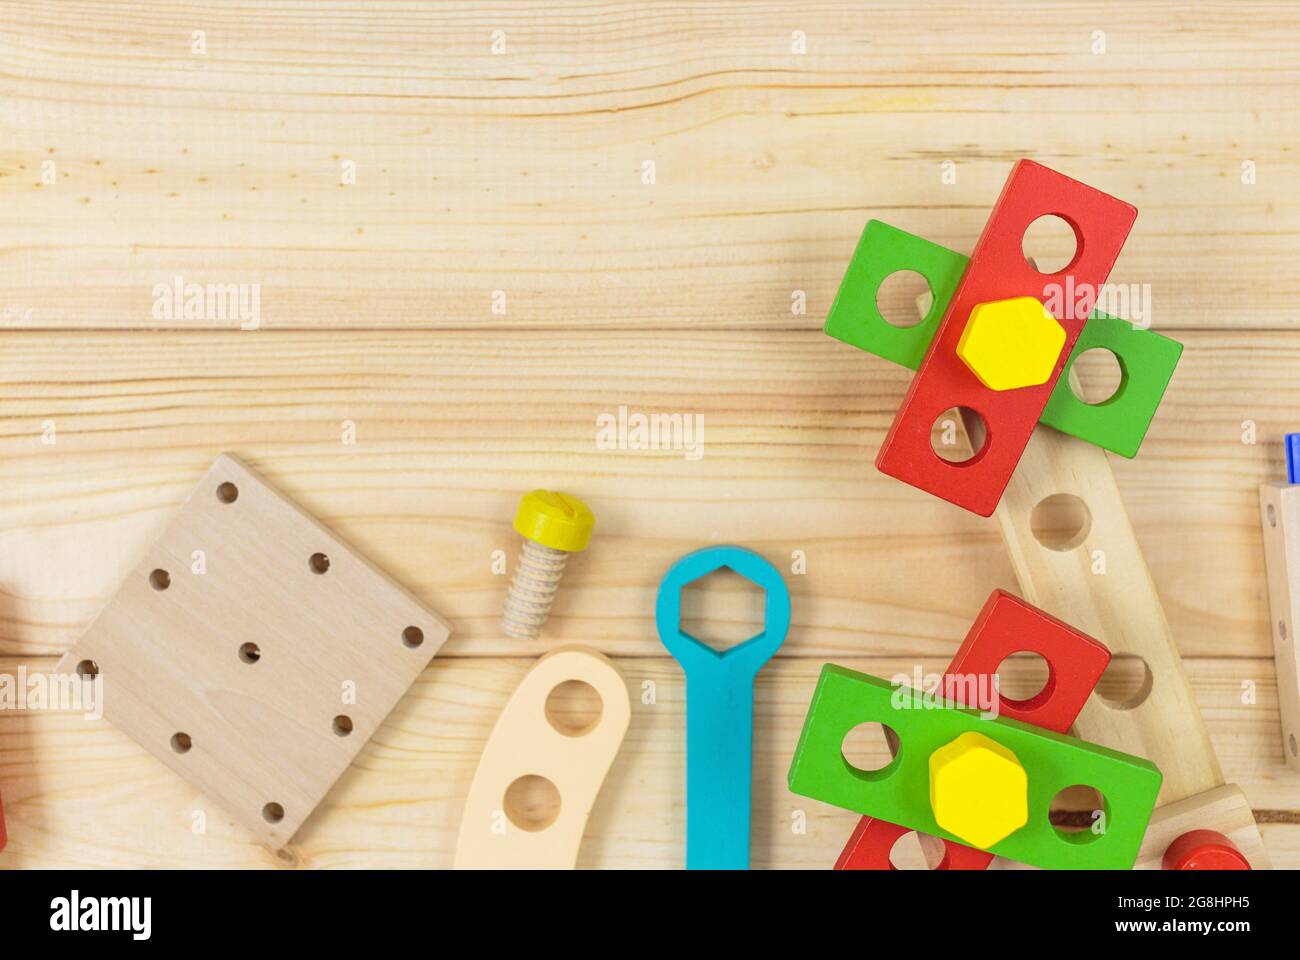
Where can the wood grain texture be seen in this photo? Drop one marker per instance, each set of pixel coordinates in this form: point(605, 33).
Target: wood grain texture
point(127, 160)
point(449, 431)
point(80, 793)
point(522, 170)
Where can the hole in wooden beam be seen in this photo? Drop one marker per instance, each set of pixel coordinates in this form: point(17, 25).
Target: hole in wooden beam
point(1060, 522)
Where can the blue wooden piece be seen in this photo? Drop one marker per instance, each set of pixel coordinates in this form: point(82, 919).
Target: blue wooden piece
point(720, 705)
point(1293, 458)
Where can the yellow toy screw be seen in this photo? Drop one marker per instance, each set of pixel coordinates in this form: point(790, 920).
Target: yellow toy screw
point(553, 526)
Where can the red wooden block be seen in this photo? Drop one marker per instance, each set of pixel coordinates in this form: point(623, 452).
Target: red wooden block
point(1075, 661)
point(872, 840)
point(1006, 625)
point(1204, 850)
point(998, 271)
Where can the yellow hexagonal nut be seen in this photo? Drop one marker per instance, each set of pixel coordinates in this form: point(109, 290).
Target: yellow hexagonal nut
point(1011, 343)
point(978, 790)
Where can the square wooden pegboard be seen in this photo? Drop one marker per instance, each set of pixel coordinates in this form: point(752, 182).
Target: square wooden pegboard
point(255, 653)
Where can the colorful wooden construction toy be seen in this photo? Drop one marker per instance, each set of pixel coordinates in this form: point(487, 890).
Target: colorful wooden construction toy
point(1006, 625)
point(984, 346)
point(720, 705)
point(1159, 719)
point(553, 526)
point(1279, 507)
point(1158, 716)
point(528, 741)
point(254, 652)
point(845, 699)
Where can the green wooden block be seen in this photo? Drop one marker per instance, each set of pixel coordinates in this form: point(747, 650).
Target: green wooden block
point(899, 792)
point(855, 318)
point(1119, 424)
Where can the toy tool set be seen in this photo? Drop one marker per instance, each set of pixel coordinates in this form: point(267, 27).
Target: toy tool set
point(255, 653)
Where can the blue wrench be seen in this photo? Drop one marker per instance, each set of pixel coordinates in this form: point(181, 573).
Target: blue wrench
point(720, 706)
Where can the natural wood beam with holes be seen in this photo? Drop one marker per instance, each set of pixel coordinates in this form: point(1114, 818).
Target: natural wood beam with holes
point(1279, 506)
point(1089, 571)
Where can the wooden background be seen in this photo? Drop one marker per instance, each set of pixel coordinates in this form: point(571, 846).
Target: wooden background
point(524, 171)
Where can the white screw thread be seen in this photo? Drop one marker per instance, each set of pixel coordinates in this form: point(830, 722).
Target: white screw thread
point(532, 589)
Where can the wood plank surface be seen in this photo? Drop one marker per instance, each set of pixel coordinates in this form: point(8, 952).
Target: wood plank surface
point(446, 332)
point(523, 170)
point(450, 432)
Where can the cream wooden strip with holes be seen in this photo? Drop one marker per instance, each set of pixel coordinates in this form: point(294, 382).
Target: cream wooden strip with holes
point(254, 652)
point(103, 434)
point(530, 742)
point(398, 166)
point(1279, 504)
point(80, 793)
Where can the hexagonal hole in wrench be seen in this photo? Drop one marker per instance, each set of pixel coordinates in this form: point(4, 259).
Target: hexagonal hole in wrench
point(723, 609)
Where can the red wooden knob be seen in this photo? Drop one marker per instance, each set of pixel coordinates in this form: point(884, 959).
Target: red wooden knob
point(1204, 850)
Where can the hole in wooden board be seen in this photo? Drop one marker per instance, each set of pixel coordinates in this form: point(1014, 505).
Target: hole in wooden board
point(1022, 676)
point(1292, 744)
point(1281, 630)
point(1098, 374)
point(88, 668)
point(1060, 522)
point(1272, 516)
point(412, 637)
point(250, 652)
point(867, 748)
point(532, 803)
point(722, 609)
point(1079, 814)
point(227, 492)
point(160, 579)
point(897, 295)
point(1125, 683)
point(574, 708)
point(1050, 244)
point(181, 742)
point(273, 813)
point(950, 440)
point(342, 725)
point(318, 563)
